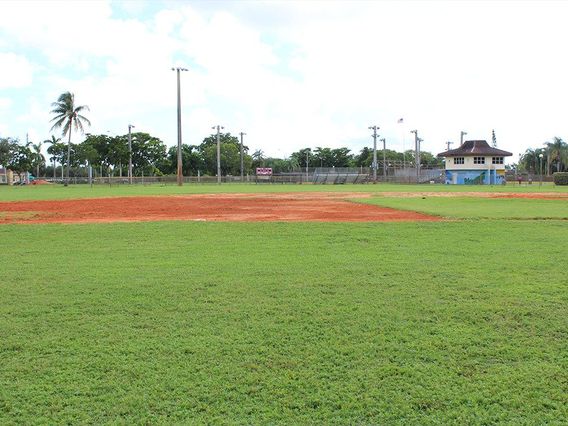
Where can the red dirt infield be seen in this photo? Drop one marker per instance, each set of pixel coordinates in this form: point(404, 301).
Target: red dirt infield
point(301, 207)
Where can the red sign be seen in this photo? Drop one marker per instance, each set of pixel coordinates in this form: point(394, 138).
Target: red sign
point(264, 171)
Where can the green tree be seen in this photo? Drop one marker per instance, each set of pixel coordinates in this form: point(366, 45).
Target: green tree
point(191, 161)
point(556, 153)
point(230, 154)
point(6, 147)
point(118, 154)
point(51, 150)
point(429, 160)
point(38, 160)
point(258, 159)
point(148, 152)
point(68, 117)
point(323, 157)
point(20, 159)
point(341, 157)
point(278, 165)
point(532, 162)
point(302, 157)
point(95, 150)
point(364, 158)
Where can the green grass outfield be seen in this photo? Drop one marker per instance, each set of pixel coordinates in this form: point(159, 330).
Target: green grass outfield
point(44, 192)
point(463, 321)
point(477, 207)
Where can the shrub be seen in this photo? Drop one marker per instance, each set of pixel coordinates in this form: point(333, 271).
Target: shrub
point(560, 178)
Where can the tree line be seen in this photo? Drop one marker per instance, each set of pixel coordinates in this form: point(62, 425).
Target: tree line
point(552, 157)
point(110, 155)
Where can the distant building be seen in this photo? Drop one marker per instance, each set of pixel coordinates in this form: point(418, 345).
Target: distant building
point(475, 162)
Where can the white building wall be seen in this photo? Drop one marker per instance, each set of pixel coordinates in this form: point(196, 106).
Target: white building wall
point(468, 164)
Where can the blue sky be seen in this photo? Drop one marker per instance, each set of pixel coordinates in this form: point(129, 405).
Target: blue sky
point(291, 74)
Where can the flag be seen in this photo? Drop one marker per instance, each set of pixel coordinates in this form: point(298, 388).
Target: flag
point(400, 120)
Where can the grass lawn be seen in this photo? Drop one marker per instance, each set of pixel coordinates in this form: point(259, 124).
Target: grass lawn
point(293, 323)
point(455, 322)
point(45, 192)
point(477, 208)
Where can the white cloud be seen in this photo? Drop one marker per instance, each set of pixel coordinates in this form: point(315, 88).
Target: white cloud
point(15, 71)
point(295, 74)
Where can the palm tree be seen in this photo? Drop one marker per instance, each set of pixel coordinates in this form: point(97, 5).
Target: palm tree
point(53, 142)
point(38, 157)
point(556, 153)
point(68, 116)
point(258, 158)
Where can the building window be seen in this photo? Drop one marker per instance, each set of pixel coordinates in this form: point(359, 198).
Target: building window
point(478, 160)
point(458, 160)
point(497, 160)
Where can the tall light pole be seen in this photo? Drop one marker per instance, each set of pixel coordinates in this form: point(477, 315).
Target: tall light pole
point(218, 127)
point(242, 157)
point(179, 168)
point(384, 159)
point(448, 144)
point(307, 164)
point(130, 127)
point(374, 129)
point(540, 158)
point(417, 154)
point(462, 134)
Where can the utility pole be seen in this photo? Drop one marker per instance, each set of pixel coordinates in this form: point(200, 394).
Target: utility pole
point(384, 159)
point(419, 165)
point(374, 129)
point(417, 154)
point(448, 144)
point(307, 164)
point(242, 158)
point(540, 161)
point(179, 167)
point(218, 127)
point(462, 134)
point(130, 126)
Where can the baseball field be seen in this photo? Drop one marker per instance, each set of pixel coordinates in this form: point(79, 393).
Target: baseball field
point(259, 304)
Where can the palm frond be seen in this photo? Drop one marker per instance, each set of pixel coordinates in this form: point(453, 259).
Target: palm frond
point(82, 108)
point(83, 119)
point(58, 123)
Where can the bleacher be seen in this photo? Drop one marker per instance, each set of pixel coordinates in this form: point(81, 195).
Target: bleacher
point(340, 176)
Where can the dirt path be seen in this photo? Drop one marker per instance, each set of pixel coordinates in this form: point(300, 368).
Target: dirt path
point(301, 207)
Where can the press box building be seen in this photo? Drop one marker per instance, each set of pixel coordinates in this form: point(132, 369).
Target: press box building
point(475, 162)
